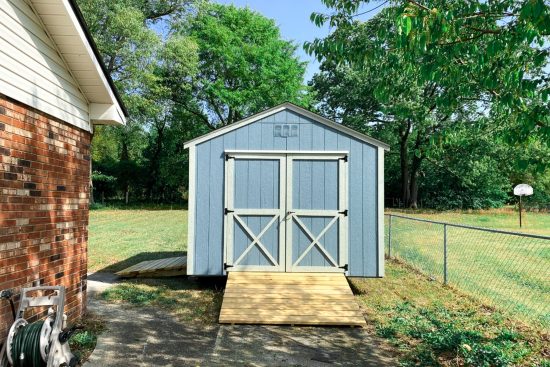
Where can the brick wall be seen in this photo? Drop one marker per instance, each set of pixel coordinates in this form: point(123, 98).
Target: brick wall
point(44, 173)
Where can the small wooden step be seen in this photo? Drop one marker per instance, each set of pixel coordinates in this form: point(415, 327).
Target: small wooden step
point(289, 299)
point(168, 267)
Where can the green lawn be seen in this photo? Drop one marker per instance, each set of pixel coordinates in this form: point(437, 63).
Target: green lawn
point(507, 271)
point(429, 324)
point(121, 238)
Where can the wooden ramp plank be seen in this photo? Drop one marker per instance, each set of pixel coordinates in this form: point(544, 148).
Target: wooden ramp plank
point(172, 266)
point(289, 299)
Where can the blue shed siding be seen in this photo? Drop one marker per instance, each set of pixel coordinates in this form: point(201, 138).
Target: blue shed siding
point(259, 135)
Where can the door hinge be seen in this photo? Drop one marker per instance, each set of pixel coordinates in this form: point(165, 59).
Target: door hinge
point(345, 212)
point(344, 158)
point(345, 267)
point(227, 211)
point(228, 157)
point(226, 266)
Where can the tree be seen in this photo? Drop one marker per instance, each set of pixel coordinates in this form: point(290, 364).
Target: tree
point(245, 66)
point(387, 93)
point(149, 69)
point(177, 65)
point(426, 89)
point(499, 47)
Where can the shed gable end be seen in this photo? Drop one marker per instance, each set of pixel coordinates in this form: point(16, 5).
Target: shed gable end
point(283, 130)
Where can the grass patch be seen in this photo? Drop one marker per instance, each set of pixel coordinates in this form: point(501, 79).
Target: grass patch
point(506, 219)
point(189, 301)
point(121, 238)
point(434, 325)
point(508, 271)
point(83, 342)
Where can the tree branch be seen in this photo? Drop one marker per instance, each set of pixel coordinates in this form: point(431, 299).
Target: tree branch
point(419, 5)
point(198, 114)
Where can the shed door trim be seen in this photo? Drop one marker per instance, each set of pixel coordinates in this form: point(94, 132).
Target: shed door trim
point(339, 217)
point(283, 214)
point(233, 216)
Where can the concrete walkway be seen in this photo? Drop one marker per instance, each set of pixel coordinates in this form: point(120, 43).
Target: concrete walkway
point(147, 336)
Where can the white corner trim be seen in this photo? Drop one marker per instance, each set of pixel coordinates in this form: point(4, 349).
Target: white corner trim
point(380, 209)
point(293, 108)
point(191, 203)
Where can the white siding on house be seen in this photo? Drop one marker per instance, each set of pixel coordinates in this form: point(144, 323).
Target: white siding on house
point(31, 69)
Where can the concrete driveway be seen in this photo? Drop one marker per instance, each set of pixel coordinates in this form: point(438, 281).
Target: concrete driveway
point(149, 337)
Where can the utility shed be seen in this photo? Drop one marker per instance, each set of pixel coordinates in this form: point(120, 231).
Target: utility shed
point(286, 190)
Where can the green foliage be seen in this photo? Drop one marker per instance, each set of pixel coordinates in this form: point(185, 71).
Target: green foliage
point(439, 331)
point(498, 48)
point(134, 294)
point(433, 325)
point(438, 79)
point(185, 299)
point(159, 230)
point(84, 339)
point(183, 68)
point(245, 66)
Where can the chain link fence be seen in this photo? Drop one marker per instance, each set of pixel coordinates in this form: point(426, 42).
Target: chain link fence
point(508, 270)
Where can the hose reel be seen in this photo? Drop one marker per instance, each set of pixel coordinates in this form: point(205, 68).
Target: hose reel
point(41, 343)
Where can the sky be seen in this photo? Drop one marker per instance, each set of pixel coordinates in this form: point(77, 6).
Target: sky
point(292, 17)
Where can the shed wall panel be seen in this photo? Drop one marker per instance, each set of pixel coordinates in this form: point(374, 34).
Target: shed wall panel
point(259, 135)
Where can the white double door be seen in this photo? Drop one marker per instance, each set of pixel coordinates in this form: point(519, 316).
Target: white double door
point(286, 212)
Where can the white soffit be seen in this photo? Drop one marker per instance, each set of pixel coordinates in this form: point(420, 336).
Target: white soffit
point(64, 27)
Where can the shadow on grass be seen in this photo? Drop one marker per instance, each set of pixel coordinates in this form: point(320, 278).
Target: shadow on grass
point(190, 299)
point(136, 259)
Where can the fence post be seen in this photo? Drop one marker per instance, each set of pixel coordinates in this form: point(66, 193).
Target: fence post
point(445, 254)
point(389, 239)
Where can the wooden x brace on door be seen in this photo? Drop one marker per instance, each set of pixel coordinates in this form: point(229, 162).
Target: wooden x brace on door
point(315, 240)
point(256, 240)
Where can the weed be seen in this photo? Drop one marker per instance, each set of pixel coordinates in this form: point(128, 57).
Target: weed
point(433, 325)
point(83, 342)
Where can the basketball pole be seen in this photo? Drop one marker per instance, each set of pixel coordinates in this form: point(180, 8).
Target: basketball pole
point(520, 211)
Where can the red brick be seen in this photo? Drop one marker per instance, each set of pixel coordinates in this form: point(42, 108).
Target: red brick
point(43, 219)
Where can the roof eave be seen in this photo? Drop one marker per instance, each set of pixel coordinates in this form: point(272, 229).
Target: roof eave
point(89, 38)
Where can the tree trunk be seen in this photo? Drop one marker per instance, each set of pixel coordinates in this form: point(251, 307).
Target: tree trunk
point(413, 203)
point(404, 158)
point(155, 164)
point(404, 133)
point(415, 168)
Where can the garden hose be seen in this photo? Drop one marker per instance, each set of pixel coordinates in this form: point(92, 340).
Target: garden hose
point(26, 346)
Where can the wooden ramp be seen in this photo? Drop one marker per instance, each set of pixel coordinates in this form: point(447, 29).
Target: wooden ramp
point(169, 267)
point(290, 299)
